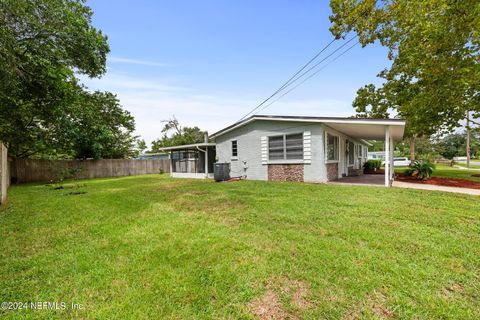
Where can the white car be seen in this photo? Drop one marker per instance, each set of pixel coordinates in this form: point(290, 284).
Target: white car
point(399, 162)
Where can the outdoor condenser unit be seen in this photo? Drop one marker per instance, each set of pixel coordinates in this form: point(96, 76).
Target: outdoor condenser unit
point(221, 171)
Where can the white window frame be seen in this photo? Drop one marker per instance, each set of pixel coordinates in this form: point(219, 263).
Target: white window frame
point(285, 160)
point(337, 137)
point(234, 157)
point(350, 143)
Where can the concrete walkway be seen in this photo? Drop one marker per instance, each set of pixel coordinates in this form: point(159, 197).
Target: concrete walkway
point(377, 180)
point(464, 168)
point(409, 185)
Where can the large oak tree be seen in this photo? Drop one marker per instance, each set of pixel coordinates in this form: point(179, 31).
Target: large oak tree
point(44, 111)
point(434, 48)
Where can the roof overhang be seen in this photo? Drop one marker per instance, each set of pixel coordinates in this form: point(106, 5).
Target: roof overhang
point(368, 129)
point(188, 146)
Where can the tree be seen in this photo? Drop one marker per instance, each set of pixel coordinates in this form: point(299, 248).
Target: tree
point(97, 127)
point(44, 111)
point(173, 134)
point(140, 147)
point(454, 145)
point(434, 48)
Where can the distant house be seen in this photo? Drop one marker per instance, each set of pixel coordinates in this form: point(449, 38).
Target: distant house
point(289, 148)
point(376, 155)
point(153, 156)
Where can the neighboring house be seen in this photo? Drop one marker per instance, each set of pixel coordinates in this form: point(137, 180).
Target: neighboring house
point(376, 155)
point(292, 148)
point(153, 156)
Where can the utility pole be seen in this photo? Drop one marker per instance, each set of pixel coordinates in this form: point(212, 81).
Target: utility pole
point(468, 139)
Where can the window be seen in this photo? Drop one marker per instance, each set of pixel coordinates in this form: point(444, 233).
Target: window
point(286, 147)
point(294, 146)
point(234, 148)
point(351, 149)
point(332, 147)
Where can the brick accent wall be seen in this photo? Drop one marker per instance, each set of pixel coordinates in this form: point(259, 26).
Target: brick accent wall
point(332, 171)
point(354, 172)
point(285, 172)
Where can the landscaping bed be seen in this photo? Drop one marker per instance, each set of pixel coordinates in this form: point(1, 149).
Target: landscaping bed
point(447, 182)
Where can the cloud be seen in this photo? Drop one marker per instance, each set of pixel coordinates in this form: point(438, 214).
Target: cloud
point(135, 61)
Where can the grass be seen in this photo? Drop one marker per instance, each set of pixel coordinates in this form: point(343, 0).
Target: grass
point(444, 171)
point(156, 247)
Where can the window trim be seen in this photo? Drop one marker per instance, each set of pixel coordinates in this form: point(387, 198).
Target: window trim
point(234, 156)
point(351, 143)
point(337, 137)
point(284, 138)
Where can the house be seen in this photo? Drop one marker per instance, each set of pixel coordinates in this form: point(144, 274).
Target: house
point(290, 148)
point(153, 156)
point(376, 155)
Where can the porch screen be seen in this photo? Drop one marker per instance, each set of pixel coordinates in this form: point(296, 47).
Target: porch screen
point(188, 161)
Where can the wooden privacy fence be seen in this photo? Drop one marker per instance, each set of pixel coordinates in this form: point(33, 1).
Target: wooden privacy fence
point(30, 170)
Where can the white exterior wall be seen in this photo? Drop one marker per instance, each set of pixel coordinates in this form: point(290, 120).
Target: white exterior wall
point(249, 146)
point(249, 139)
point(343, 160)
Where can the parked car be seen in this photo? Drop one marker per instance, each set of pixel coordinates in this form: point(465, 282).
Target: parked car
point(399, 162)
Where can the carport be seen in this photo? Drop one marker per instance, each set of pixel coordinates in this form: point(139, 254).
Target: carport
point(388, 130)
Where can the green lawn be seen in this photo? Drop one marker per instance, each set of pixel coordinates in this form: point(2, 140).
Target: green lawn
point(155, 247)
point(444, 171)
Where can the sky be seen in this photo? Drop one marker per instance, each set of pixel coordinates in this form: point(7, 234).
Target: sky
point(208, 63)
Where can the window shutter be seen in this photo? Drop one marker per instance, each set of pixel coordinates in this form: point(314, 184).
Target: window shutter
point(307, 147)
point(264, 149)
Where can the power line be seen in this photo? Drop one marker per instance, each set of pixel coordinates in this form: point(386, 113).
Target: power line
point(294, 78)
point(310, 76)
point(290, 79)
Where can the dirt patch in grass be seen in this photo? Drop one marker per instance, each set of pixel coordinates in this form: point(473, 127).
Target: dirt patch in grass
point(447, 182)
point(375, 304)
point(452, 289)
point(299, 293)
point(269, 305)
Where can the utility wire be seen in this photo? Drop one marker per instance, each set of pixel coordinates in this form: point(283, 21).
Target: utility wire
point(296, 76)
point(291, 78)
point(310, 76)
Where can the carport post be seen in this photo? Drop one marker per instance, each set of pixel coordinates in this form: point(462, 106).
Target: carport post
point(387, 156)
point(392, 160)
point(206, 162)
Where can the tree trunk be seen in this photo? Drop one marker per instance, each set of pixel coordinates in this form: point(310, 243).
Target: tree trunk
point(412, 148)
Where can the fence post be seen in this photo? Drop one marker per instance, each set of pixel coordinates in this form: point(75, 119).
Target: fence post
point(4, 173)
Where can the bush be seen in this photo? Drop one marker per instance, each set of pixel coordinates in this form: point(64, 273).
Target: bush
point(372, 165)
point(422, 170)
point(69, 173)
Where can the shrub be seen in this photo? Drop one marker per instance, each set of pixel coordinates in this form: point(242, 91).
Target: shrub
point(69, 173)
point(372, 165)
point(422, 170)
